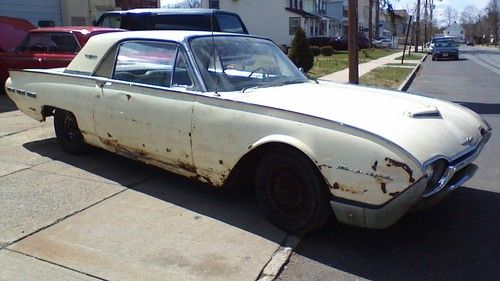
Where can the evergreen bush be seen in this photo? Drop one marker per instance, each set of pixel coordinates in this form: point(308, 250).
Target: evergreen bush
point(300, 53)
point(315, 50)
point(327, 51)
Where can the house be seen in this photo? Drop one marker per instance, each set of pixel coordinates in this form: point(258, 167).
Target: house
point(337, 10)
point(279, 19)
point(456, 31)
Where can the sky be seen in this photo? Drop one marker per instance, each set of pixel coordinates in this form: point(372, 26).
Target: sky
point(459, 5)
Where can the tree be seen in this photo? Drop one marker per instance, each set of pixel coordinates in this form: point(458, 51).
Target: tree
point(470, 15)
point(300, 53)
point(450, 15)
point(186, 4)
point(493, 18)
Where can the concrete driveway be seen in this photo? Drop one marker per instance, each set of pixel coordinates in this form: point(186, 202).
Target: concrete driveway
point(102, 216)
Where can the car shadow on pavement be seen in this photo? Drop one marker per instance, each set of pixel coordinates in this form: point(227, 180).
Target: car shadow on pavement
point(457, 240)
point(481, 108)
point(236, 206)
point(6, 104)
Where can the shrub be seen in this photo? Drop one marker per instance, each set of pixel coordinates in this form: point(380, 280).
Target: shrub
point(327, 51)
point(300, 53)
point(315, 50)
point(319, 41)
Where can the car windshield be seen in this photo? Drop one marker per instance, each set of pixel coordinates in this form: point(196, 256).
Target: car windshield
point(233, 63)
point(445, 44)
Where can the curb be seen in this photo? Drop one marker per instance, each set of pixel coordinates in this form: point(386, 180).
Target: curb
point(406, 84)
point(279, 259)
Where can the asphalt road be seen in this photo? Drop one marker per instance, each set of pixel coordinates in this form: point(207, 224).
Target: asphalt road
point(457, 240)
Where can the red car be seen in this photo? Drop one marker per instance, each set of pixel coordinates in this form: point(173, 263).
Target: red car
point(12, 32)
point(48, 47)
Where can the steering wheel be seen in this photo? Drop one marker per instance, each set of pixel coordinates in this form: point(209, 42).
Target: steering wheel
point(264, 72)
point(38, 46)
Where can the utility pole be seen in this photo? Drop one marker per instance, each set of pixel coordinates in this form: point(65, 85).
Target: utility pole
point(425, 24)
point(377, 18)
point(370, 22)
point(417, 32)
point(352, 41)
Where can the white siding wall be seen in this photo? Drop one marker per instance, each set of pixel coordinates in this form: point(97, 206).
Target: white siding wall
point(262, 17)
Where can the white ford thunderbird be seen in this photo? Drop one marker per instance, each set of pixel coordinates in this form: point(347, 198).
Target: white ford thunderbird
point(229, 109)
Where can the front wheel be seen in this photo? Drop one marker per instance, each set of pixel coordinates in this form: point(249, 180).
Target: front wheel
point(68, 134)
point(292, 192)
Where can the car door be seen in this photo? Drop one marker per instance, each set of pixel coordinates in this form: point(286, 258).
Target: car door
point(145, 110)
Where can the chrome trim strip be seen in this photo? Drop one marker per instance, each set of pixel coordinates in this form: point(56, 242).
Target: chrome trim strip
point(452, 169)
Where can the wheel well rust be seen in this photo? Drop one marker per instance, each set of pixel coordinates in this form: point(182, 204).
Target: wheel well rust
point(243, 173)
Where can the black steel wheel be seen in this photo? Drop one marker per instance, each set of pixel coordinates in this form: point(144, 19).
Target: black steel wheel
point(68, 134)
point(292, 192)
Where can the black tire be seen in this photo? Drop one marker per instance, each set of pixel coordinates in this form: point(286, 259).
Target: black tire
point(292, 191)
point(68, 134)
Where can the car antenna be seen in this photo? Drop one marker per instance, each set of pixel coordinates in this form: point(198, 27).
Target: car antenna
point(213, 50)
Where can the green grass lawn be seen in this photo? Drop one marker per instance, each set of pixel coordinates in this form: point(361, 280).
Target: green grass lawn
point(339, 60)
point(412, 56)
point(385, 77)
point(399, 64)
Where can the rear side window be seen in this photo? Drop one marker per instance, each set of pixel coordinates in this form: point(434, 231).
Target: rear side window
point(153, 63)
point(229, 23)
point(50, 42)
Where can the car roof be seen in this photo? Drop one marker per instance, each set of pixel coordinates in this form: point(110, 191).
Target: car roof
point(80, 29)
point(98, 45)
point(197, 11)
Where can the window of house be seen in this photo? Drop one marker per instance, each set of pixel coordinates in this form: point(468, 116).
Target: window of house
point(214, 4)
point(294, 24)
point(322, 27)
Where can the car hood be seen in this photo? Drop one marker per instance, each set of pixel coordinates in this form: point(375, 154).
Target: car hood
point(424, 127)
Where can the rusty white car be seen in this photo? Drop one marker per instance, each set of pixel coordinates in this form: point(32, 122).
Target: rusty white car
point(228, 109)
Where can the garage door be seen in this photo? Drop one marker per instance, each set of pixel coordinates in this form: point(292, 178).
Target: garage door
point(32, 10)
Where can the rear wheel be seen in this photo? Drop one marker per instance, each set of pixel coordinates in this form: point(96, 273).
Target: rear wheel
point(292, 192)
point(68, 134)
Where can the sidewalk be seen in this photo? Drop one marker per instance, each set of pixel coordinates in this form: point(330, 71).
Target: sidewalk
point(342, 76)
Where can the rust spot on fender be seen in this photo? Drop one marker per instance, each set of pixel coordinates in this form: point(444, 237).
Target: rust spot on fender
point(382, 186)
point(404, 166)
point(128, 97)
point(346, 188)
point(169, 150)
point(109, 135)
point(394, 194)
point(374, 166)
point(187, 167)
point(324, 166)
point(221, 162)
